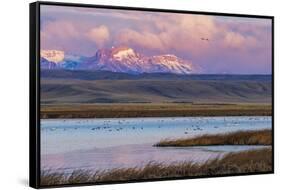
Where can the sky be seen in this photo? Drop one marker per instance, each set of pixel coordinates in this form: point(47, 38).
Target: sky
point(235, 45)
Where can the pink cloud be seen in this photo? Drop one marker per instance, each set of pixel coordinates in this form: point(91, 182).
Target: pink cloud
point(60, 29)
point(100, 35)
point(181, 33)
point(58, 34)
point(239, 41)
point(142, 39)
point(68, 35)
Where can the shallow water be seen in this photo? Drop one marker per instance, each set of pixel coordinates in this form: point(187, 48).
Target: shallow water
point(126, 156)
point(127, 142)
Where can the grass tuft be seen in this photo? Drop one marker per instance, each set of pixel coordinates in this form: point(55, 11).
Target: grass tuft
point(261, 137)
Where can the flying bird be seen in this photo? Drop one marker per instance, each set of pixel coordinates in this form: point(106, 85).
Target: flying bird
point(205, 39)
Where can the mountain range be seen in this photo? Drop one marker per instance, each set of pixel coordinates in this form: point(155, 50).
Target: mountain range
point(117, 59)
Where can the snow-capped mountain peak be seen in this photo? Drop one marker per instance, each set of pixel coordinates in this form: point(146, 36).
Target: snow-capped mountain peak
point(125, 59)
point(54, 56)
point(122, 53)
point(171, 63)
point(117, 59)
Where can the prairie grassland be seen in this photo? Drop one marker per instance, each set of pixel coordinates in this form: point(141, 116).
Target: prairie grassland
point(232, 163)
point(158, 89)
point(152, 110)
point(260, 137)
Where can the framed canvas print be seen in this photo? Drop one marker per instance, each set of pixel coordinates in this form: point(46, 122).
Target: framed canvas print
point(121, 94)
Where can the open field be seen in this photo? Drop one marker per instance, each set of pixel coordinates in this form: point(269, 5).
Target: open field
point(152, 110)
point(262, 137)
point(154, 88)
point(233, 163)
point(81, 94)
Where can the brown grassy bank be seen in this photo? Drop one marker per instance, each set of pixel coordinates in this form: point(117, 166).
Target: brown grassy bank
point(261, 137)
point(233, 163)
point(152, 110)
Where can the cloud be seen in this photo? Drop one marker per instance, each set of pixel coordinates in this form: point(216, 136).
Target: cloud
point(239, 41)
point(180, 33)
point(60, 29)
point(58, 35)
point(235, 44)
point(143, 39)
point(68, 36)
point(99, 35)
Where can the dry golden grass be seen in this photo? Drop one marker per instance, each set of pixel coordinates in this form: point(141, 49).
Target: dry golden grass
point(152, 110)
point(261, 137)
point(233, 163)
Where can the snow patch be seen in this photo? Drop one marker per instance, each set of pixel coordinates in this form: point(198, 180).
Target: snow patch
point(54, 56)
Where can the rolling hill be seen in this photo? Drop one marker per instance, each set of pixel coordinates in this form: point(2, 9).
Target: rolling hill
point(61, 87)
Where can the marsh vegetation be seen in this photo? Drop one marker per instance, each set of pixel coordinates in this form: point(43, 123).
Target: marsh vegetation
point(233, 163)
point(260, 137)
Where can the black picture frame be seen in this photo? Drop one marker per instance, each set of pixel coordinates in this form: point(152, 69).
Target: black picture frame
point(34, 93)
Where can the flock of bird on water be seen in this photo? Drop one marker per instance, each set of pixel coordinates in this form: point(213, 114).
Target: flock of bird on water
point(121, 124)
